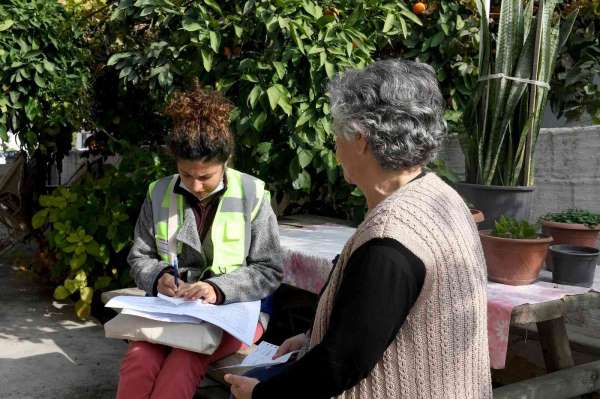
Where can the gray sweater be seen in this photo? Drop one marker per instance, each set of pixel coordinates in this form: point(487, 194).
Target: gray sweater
point(258, 277)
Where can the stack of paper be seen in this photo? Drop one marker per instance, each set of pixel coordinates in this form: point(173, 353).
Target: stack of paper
point(262, 356)
point(238, 319)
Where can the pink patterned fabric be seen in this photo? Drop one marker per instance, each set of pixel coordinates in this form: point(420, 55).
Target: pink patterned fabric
point(501, 301)
point(309, 250)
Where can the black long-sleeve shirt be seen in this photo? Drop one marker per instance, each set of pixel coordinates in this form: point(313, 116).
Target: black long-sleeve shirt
point(381, 282)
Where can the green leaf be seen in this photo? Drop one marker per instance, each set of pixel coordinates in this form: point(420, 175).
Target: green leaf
point(297, 40)
point(111, 61)
point(6, 24)
point(81, 278)
point(259, 121)
point(207, 59)
point(254, 95)
point(213, 4)
point(39, 219)
point(49, 66)
point(389, 22)
point(215, 41)
point(302, 181)
point(329, 69)
point(3, 134)
point(304, 117)
point(274, 95)
point(71, 285)
point(280, 68)
point(61, 293)
point(285, 105)
point(86, 294)
point(304, 157)
point(248, 6)
point(239, 31)
point(32, 109)
point(412, 17)
point(147, 11)
point(460, 23)
point(82, 309)
point(78, 260)
point(39, 81)
point(190, 25)
point(437, 39)
point(102, 282)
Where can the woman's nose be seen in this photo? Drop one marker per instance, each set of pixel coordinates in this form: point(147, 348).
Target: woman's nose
point(197, 186)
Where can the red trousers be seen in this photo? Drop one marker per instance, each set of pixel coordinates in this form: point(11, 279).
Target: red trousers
point(157, 371)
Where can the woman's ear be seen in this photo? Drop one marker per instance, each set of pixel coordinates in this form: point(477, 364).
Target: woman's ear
point(362, 144)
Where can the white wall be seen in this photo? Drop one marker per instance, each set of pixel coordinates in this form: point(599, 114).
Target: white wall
point(567, 168)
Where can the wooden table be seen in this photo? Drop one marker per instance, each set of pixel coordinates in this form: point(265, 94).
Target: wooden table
point(548, 316)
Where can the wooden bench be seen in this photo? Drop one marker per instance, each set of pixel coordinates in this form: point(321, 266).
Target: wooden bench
point(213, 373)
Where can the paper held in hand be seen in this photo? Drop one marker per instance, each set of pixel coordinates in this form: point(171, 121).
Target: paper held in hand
point(238, 319)
point(262, 356)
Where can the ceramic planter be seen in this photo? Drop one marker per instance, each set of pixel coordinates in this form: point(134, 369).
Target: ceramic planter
point(574, 265)
point(513, 261)
point(570, 233)
point(478, 216)
point(495, 201)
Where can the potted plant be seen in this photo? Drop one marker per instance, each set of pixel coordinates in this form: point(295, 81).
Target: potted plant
point(514, 251)
point(502, 121)
point(573, 226)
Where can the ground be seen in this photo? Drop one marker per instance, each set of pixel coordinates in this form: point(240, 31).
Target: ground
point(46, 352)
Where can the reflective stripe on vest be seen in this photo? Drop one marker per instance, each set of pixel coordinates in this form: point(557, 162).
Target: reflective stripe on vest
point(230, 230)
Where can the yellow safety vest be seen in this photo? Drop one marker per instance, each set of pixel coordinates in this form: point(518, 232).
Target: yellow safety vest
point(230, 230)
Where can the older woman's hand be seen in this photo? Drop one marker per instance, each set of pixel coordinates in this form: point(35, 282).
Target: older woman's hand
point(291, 344)
point(241, 387)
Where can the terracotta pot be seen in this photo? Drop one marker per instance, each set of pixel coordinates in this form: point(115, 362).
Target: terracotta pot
point(513, 261)
point(570, 233)
point(478, 216)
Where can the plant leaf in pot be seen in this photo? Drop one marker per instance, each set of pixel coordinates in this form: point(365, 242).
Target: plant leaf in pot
point(514, 251)
point(573, 226)
point(503, 119)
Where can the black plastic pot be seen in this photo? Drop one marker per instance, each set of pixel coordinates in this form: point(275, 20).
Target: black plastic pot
point(574, 265)
point(495, 201)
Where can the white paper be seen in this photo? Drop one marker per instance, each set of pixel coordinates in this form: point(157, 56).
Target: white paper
point(238, 319)
point(169, 318)
point(262, 356)
point(174, 300)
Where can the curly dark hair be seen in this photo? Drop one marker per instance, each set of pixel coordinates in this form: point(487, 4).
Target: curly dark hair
point(200, 125)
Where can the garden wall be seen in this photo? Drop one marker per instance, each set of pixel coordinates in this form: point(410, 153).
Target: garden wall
point(567, 173)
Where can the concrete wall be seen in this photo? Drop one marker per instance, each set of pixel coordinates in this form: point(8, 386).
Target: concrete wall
point(567, 168)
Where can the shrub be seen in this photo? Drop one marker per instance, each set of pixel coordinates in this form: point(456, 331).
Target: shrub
point(43, 75)
point(272, 59)
point(89, 226)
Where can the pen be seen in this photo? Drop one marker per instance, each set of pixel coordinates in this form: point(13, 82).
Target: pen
point(176, 272)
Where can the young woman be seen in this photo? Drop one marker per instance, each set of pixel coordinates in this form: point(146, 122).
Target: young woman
point(226, 242)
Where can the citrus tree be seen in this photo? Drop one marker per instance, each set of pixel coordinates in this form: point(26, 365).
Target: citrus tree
point(273, 60)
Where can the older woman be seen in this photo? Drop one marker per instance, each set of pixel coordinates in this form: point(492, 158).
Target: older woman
point(403, 314)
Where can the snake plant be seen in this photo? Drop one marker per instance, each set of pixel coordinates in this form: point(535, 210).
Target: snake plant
point(502, 122)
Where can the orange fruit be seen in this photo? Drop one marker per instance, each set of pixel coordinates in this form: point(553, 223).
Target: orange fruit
point(227, 52)
point(237, 51)
point(419, 7)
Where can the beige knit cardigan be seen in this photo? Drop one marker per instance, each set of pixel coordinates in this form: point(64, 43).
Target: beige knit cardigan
point(441, 350)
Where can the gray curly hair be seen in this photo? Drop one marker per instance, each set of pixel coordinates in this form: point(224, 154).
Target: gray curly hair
point(396, 105)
